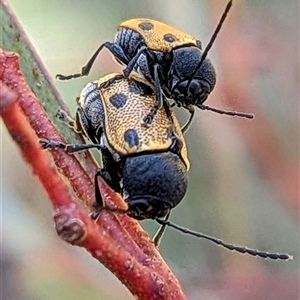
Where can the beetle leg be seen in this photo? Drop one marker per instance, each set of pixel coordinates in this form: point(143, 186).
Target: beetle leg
point(158, 96)
point(159, 233)
point(79, 124)
point(158, 93)
point(176, 144)
point(87, 68)
point(64, 117)
point(99, 203)
point(186, 126)
point(111, 177)
point(117, 52)
point(133, 61)
point(74, 124)
point(149, 118)
point(110, 81)
point(82, 124)
point(68, 148)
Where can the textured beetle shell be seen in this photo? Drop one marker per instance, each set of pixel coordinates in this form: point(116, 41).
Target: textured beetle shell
point(126, 103)
point(159, 36)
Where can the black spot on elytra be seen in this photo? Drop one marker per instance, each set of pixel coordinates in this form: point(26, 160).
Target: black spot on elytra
point(131, 137)
point(170, 38)
point(118, 100)
point(146, 26)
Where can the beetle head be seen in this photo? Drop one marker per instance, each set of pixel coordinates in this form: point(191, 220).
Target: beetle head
point(144, 207)
point(185, 86)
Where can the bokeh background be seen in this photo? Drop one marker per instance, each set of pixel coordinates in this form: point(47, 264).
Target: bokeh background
point(244, 179)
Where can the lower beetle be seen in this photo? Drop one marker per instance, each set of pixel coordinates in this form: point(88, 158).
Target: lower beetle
point(146, 165)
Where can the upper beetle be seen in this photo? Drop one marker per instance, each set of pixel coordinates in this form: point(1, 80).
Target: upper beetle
point(147, 165)
point(171, 61)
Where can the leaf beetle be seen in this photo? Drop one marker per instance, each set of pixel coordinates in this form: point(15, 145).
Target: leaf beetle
point(171, 61)
point(147, 165)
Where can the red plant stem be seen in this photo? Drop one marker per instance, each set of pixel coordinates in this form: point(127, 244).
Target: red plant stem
point(24, 136)
point(117, 242)
point(40, 123)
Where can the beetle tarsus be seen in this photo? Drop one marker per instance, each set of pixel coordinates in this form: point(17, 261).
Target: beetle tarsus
point(149, 118)
point(176, 144)
point(64, 117)
point(68, 77)
point(186, 126)
point(50, 144)
point(159, 233)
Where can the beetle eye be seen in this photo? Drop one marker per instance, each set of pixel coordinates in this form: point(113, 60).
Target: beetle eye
point(194, 88)
point(202, 97)
point(198, 90)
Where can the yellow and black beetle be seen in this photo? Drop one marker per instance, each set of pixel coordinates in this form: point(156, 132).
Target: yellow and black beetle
point(171, 61)
point(147, 165)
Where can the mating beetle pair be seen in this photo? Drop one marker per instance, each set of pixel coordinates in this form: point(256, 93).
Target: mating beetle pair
point(161, 62)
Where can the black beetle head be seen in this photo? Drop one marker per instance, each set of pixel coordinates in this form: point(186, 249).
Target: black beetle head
point(185, 86)
point(143, 207)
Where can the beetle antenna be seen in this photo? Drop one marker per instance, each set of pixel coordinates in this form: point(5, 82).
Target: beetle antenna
point(240, 249)
point(212, 39)
point(227, 112)
point(231, 247)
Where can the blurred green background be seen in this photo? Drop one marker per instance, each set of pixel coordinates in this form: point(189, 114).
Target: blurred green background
point(244, 179)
